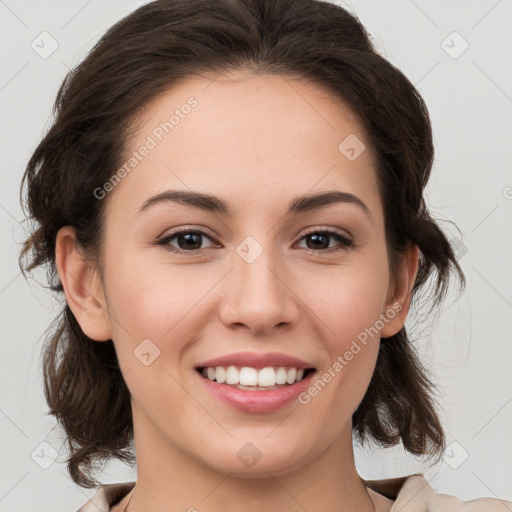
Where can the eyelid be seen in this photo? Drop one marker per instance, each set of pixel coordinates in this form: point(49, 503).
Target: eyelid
point(186, 229)
point(345, 240)
point(327, 229)
point(163, 240)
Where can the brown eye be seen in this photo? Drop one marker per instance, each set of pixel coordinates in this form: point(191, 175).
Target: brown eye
point(187, 241)
point(318, 241)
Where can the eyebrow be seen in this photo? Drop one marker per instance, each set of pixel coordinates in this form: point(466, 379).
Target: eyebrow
point(214, 204)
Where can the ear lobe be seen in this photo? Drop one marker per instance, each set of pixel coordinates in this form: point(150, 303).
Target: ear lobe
point(82, 286)
point(399, 304)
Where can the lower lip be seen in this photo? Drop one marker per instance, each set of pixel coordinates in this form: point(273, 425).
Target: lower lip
point(257, 401)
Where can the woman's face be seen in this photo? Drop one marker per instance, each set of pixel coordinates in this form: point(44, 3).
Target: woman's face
point(262, 278)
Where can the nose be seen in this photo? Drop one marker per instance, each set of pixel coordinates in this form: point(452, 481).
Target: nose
point(258, 296)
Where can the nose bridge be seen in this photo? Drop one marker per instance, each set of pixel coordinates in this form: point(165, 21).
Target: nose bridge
point(257, 296)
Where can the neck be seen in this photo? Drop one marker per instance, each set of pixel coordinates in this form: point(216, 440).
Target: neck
point(169, 479)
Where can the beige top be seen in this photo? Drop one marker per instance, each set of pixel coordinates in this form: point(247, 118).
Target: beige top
point(410, 494)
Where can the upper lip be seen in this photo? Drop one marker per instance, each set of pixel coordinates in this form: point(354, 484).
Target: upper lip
point(255, 360)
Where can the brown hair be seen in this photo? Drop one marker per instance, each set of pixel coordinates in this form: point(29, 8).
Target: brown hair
point(149, 52)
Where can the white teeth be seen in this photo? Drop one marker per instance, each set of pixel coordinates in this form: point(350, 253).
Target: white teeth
point(280, 375)
point(220, 374)
point(290, 375)
point(248, 376)
point(267, 377)
point(232, 375)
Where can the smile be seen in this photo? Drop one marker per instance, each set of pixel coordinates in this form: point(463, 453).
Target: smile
point(252, 397)
point(253, 379)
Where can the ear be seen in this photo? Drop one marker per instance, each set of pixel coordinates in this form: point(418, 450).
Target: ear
point(399, 299)
point(82, 286)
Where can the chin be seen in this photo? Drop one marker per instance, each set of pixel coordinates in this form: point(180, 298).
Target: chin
point(250, 463)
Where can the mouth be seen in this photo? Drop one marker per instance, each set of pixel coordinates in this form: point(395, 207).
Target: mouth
point(255, 379)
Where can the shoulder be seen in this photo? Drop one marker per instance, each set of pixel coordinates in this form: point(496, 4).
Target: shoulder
point(106, 496)
point(413, 493)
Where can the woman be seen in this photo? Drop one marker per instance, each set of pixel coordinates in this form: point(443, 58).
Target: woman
point(241, 366)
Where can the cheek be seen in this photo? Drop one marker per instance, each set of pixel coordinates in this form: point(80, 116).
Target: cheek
point(156, 312)
point(349, 299)
point(347, 304)
point(152, 300)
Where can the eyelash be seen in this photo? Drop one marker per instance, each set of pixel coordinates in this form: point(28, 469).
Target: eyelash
point(345, 242)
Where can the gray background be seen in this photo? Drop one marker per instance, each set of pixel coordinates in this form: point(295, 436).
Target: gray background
point(468, 347)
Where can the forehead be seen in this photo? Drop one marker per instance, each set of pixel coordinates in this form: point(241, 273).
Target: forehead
point(257, 137)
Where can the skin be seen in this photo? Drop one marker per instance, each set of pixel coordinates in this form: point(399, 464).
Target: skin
point(257, 142)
